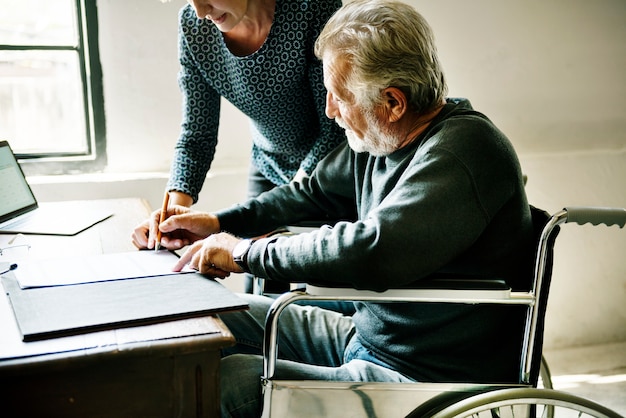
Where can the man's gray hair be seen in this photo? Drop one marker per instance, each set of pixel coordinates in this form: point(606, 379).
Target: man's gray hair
point(387, 43)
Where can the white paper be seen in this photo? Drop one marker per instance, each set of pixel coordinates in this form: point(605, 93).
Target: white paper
point(98, 268)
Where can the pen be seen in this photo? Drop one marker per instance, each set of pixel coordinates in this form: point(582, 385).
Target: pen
point(166, 202)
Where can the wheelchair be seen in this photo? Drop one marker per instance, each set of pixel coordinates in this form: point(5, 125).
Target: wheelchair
point(290, 398)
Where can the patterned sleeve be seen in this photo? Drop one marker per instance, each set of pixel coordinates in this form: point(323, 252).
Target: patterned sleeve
point(330, 134)
point(195, 148)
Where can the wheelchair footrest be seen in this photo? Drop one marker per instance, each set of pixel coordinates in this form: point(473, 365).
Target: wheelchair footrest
point(302, 399)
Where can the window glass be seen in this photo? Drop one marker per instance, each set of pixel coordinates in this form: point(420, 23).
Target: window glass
point(38, 22)
point(41, 102)
point(51, 105)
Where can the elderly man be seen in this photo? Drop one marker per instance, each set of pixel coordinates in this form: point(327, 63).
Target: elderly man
point(424, 187)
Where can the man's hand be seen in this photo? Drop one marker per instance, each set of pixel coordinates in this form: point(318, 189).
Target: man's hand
point(181, 227)
point(212, 256)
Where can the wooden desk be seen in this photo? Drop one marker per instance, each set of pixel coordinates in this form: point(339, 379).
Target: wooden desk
point(162, 370)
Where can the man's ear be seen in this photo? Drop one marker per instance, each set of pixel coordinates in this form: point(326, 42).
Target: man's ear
point(395, 103)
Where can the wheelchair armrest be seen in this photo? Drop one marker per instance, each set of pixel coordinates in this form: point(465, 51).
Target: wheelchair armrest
point(444, 290)
point(435, 290)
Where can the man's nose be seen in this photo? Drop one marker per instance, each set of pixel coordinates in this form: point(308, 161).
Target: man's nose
point(331, 106)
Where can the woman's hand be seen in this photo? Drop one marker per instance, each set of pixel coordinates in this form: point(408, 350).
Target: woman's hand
point(144, 235)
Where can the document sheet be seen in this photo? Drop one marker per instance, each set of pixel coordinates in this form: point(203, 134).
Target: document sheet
point(97, 268)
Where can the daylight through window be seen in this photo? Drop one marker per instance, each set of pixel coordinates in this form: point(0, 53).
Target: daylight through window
point(50, 84)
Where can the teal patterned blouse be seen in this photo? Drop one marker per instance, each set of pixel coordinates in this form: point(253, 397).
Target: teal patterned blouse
point(279, 87)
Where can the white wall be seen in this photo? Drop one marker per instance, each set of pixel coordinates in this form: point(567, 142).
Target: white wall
point(550, 74)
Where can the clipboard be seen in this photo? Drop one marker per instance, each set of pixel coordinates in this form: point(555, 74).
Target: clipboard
point(50, 312)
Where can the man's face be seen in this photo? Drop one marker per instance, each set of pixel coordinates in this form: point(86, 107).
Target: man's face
point(365, 130)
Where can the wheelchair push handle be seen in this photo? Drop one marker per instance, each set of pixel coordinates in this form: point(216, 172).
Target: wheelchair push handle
point(596, 215)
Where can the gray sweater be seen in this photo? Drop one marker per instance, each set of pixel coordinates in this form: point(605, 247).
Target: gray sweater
point(452, 203)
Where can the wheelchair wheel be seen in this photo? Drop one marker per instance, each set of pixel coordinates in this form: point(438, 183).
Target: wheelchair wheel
point(523, 403)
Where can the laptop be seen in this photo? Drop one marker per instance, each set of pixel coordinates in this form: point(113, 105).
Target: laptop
point(20, 213)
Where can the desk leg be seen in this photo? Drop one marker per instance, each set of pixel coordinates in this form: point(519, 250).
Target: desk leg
point(197, 385)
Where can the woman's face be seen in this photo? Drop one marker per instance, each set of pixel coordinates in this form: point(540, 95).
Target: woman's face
point(225, 14)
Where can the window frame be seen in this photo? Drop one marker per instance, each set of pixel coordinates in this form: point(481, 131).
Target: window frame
point(94, 159)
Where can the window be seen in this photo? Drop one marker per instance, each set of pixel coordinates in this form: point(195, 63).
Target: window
point(51, 104)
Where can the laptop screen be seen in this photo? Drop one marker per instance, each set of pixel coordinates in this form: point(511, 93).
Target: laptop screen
point(16, 197)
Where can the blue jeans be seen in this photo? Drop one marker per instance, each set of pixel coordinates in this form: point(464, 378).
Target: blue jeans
point(314, 344)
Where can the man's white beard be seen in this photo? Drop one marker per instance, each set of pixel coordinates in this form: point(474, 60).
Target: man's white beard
point(375, 141)
point(355, 143)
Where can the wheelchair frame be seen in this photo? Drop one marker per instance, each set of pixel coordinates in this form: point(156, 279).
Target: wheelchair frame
point(437, 400)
